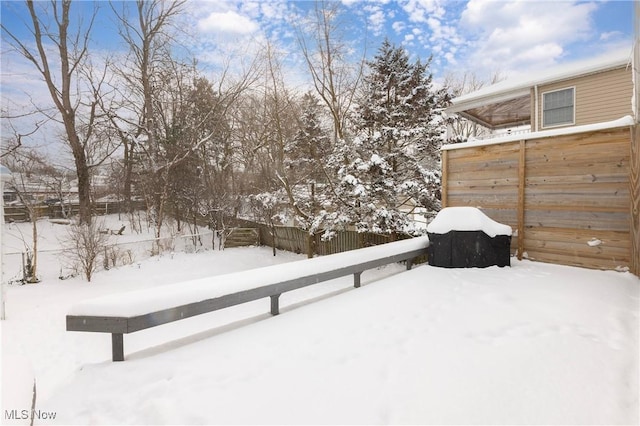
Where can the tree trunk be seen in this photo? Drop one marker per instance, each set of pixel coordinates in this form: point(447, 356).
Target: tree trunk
point(34, 260)
point(311, 245)
point(128, 171)
point(84, 183)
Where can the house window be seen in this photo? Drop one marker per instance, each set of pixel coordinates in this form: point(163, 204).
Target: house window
point(558, 107)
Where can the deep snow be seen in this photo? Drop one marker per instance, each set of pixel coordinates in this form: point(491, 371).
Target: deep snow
point(533, 343)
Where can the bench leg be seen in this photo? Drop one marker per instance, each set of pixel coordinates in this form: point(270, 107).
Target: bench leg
point(117, 347)
point(409, 264)
point(275, 304)
point(356, 279)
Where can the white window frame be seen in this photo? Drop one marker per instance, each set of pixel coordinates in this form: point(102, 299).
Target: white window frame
point(573, 118)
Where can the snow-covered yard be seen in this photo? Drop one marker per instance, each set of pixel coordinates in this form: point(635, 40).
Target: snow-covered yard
point(533, 343)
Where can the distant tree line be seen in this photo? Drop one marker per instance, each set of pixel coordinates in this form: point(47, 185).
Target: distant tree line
point(353, 150)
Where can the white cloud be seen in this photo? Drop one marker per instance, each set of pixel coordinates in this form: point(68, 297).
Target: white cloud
point(450, 57)
point(398, 26)
point(432, 26)
point(540, 53)
point(377, 20)
point(228, 22)
point(523, 34)
point(421, 10)
point(606, 36)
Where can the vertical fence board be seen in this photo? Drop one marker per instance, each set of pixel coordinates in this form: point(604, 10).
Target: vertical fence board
point(522, 176)
point(445, 180)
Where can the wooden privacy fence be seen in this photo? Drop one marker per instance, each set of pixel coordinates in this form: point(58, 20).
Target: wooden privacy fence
point(573, 199)
point(297, 240)
point(21, 213)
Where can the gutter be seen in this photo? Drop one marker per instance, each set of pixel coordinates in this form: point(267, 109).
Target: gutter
point(535, 110)
point(487, 100)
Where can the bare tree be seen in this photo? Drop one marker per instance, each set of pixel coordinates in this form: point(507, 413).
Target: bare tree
point(11, 144)
point(147, 33)
point(281, 113)
point(25, 165)
point(326, 53)
point(177, 122)
point(50, 23)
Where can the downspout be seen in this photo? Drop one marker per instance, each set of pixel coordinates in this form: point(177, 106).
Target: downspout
point(634, 163)
point(635, 64)
point(535, 108)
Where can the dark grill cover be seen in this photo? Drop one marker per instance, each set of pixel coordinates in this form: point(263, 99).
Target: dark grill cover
point(468, 249)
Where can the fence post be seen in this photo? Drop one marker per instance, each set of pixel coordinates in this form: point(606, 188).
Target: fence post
point(445, 171)
point(521, 185)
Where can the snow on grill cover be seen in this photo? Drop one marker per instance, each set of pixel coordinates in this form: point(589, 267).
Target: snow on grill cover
point(464, 237)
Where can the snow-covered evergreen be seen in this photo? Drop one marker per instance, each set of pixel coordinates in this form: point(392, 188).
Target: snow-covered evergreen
point(392, 159)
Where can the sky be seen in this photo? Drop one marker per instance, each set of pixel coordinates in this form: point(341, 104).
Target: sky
point(483, 36)
point(479, 36)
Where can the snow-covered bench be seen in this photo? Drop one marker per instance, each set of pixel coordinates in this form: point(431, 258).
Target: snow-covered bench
point(124, 313)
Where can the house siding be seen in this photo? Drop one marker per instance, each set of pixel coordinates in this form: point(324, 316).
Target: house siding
point(600, 97)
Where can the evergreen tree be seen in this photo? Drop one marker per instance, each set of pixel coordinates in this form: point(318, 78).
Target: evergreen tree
point(311, 143)
point(393, 157)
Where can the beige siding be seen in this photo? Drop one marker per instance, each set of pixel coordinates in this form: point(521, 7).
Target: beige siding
point(600, 97)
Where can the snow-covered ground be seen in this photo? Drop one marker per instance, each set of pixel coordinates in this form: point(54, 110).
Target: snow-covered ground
point(533, 343)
